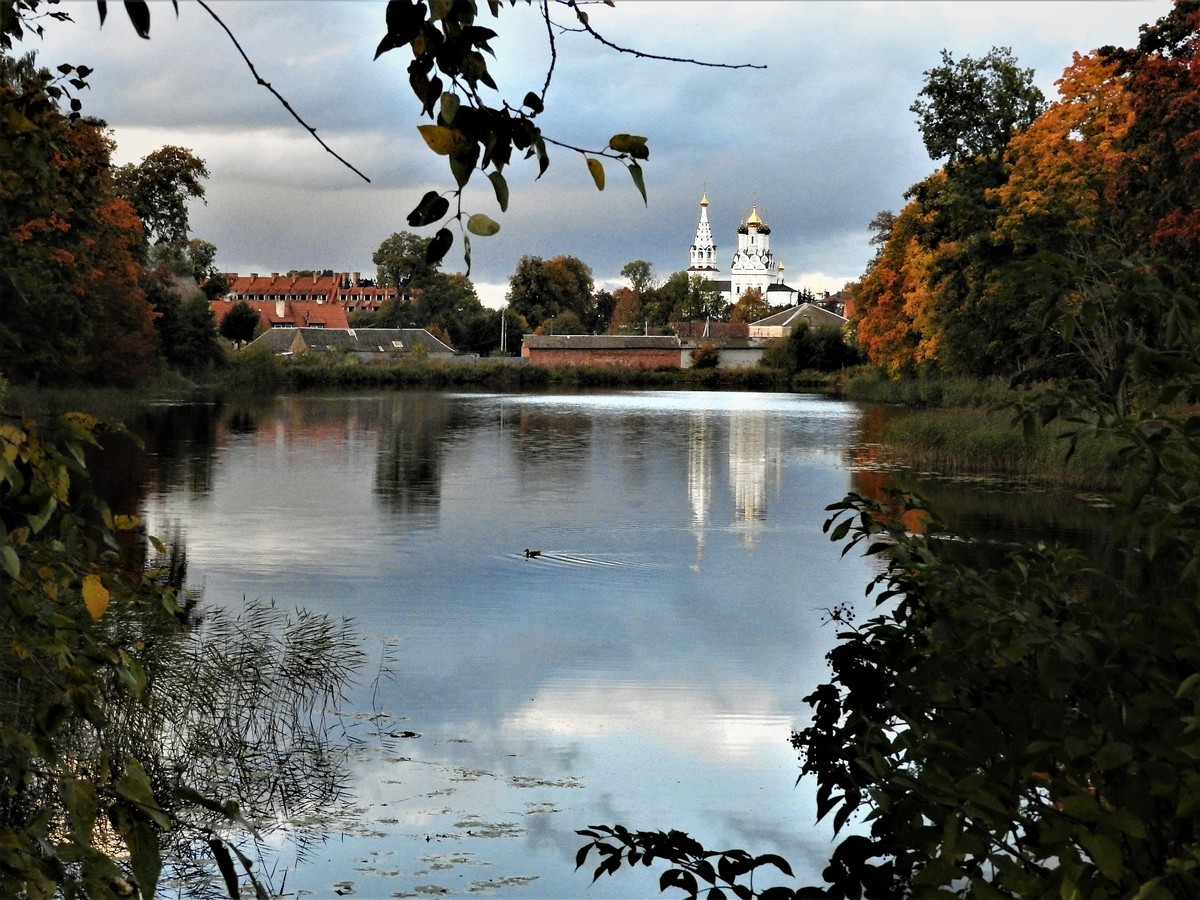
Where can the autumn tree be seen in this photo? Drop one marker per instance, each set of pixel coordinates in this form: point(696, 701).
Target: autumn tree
point(894, 322)
point(69, 248)
point(1056, 210)
point(750, 307)
point(1158, 188)
point(627, 312)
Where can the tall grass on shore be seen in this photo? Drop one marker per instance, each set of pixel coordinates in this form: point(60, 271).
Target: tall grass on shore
point(968, 441)
point(930, 392)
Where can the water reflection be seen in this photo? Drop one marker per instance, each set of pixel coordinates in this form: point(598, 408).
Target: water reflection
point(647, 668)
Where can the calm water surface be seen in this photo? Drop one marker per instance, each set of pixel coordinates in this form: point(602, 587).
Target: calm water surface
point(647, 668)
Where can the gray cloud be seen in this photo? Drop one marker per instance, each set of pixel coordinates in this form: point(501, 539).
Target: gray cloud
point(821, 140)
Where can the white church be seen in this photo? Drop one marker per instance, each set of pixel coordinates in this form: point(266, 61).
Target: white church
point(753, 263)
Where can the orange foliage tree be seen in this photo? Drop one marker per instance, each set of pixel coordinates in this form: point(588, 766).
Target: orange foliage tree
point(894, 316)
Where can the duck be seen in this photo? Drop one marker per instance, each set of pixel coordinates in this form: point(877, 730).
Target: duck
point(532, 554)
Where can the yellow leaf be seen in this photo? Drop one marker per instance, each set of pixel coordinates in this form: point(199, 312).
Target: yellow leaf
point(95, 596)
point(597, 170)
point(442, 140)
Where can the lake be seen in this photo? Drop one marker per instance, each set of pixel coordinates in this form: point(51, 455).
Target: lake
point(576, 609)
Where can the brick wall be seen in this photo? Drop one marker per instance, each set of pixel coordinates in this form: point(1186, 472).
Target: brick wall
point(633, 359)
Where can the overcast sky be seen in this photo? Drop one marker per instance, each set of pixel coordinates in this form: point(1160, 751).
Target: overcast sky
point(820, 140)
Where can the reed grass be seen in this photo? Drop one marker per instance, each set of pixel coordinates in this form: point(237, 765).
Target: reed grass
point(966, 440)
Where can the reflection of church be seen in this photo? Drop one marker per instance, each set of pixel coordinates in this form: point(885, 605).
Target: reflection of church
point(755, 462)
point(753, 264)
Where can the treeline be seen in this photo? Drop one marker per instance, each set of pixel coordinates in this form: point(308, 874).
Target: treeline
point(1021, 254)
point(545, 296)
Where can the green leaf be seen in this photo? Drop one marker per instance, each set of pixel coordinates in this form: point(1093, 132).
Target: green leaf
point(10, 562)
point(636, 172)
point(500, 186)
point(225, 865)
point(134, 786)
point(533, 102)
point(482, 225)
point(139, 17)
point(1106, 853)
point(145, 857)
point(439, 246)
point(432, 208)
point(79, 803)
point(1113, 755)
point(597, 171)
point(632, 144)
point(450, 105)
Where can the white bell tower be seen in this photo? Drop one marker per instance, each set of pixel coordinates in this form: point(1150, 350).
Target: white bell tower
point(704, 251)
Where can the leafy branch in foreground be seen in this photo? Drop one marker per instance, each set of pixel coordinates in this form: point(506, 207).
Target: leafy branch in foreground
point(694, 870)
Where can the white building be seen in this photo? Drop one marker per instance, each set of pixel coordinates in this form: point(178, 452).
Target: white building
point(753, 264)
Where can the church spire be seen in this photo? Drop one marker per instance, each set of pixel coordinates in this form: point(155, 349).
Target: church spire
point(704, 250)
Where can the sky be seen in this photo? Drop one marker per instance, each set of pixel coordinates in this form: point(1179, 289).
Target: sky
point(819, 141)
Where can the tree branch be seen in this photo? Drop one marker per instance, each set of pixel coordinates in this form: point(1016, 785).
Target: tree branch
point(277, 95)
point(583, 21)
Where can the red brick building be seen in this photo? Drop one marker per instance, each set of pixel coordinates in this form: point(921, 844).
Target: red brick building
point(634, 351)
point(345, 289)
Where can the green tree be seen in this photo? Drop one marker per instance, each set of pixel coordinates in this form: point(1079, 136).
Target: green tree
point(239, 323)
point(972, 107)
point(401, 261)
point(968, 112)
point(541, 289)
point(186, 325)
point(702, 301)
point(566, 322)
point(819, 349)
point(641, 276)
point(159, 187)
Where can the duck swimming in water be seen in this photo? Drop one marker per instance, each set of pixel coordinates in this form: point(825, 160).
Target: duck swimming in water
point(532, 554)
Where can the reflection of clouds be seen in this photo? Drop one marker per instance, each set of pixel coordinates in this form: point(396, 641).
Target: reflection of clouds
point(683, 721)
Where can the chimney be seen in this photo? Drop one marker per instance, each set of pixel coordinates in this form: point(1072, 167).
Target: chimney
point(274, 275)
point(253, 274)
point(354, 278)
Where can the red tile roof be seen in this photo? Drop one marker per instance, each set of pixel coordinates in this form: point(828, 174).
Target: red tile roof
point(344, 289)
point(284, 313)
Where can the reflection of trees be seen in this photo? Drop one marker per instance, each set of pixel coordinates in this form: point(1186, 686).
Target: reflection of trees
point(551, 447)
point(408, 465)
